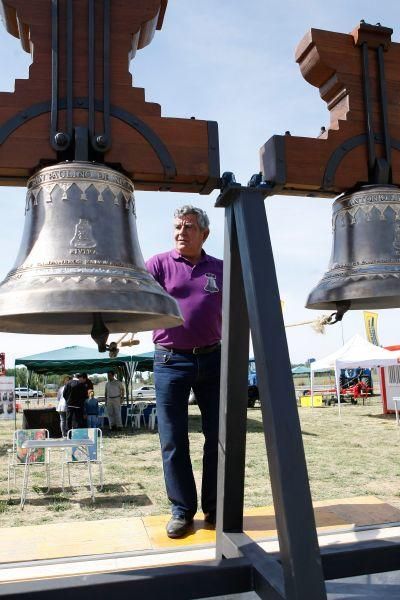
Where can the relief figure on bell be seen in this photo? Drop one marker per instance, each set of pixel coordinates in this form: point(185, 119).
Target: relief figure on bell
point(83, 237)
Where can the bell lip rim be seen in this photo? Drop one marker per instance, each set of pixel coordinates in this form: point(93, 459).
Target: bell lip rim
point(55, 327)
point(356, 303)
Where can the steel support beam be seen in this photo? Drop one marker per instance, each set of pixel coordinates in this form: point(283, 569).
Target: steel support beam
point(249, 253)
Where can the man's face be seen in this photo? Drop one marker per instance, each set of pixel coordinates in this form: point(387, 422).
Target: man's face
point(110, 376)
point(189, 238)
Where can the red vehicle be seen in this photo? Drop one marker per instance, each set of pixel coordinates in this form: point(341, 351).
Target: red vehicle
point(349, 392)
point(354, 391)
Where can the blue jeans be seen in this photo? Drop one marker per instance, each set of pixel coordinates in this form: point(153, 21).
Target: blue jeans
point(174, 375)
point(92, 420)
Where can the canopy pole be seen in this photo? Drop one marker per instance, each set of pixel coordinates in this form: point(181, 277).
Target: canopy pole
point(15, 398)
point(312, 389)
point(337, 380)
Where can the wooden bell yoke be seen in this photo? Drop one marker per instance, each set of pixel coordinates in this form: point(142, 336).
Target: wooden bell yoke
point(79, 103)
point(358, 76)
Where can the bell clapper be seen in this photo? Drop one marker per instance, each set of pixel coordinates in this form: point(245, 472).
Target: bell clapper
point(335, 317)
point(99, 332)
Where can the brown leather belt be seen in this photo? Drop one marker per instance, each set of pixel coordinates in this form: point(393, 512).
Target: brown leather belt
point(195, 350)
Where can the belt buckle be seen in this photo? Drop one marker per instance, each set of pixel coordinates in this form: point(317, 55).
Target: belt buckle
point(196, 350)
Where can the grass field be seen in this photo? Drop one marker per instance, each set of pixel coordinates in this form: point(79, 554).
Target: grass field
point(355, 455)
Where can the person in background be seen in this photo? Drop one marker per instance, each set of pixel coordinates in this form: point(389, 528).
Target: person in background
point(185, 357)
point(91, 410)
point(62, 406)
point(75, 393)
point(114, 393)
point(87, 382)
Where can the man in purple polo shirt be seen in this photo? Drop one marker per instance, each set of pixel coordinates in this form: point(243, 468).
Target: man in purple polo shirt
point(189, 356)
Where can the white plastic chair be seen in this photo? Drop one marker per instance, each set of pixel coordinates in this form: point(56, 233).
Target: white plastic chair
point(396, 401)
point(17, 456)
point(137, 414)
point(77, 455)
point(153, 418)
point(129, 412)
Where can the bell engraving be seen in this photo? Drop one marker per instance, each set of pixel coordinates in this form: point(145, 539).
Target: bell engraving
point(396, 243)
point(83, 237)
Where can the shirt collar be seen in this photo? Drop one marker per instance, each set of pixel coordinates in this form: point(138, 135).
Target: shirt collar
point(176, 256)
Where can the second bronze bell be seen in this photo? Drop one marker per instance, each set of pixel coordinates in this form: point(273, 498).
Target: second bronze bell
point(79, 262)
point(364, 269)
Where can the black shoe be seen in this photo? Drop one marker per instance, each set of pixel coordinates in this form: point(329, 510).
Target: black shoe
point(210, 518)
point(178, 527)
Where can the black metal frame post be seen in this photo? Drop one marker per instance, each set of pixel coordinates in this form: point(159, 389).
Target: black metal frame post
point(252, 281)
point(232, 436)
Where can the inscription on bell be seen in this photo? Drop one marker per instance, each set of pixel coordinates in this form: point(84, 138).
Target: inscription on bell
point(396, 242)
point(95, 175)
point(83, 241)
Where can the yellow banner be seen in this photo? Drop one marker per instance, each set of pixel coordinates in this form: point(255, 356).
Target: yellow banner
point(371, 327)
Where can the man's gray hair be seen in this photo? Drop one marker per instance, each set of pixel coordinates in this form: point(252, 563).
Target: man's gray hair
point(188, 209)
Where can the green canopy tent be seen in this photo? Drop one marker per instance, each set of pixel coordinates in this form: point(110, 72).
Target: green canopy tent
point(144, 361)
point(301, 370)
point(74, 359)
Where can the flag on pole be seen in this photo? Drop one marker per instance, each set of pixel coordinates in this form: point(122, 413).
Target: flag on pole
point(371, 327)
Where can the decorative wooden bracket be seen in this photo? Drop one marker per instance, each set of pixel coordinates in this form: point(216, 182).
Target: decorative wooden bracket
point(358, 76)
point(79, 103)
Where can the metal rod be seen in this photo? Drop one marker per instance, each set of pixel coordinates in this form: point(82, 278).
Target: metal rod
point(384, 107)
point(70, 67)
point(106, 73)
point(368, 107)
point(297, 535)
point(54, 71)
point(91, 65)
point(130, 119)
point(233, 396)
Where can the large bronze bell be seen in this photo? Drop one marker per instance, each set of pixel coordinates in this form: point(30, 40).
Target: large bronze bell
point(364, 269)
point(80, 265)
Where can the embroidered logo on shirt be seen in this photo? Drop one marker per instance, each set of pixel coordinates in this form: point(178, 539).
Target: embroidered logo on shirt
point(211, 285)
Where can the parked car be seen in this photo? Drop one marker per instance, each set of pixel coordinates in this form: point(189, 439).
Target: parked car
point(24, 392)
point(145, 391)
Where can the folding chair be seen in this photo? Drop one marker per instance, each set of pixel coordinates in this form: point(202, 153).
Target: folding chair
point(17, 457)
point(89, 455)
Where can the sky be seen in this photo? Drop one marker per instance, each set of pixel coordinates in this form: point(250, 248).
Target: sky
point(230, 62)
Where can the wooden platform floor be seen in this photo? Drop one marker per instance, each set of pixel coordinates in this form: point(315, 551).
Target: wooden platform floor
point(145, 540)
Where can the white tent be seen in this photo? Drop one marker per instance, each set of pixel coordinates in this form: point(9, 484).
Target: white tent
point(357, 352)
